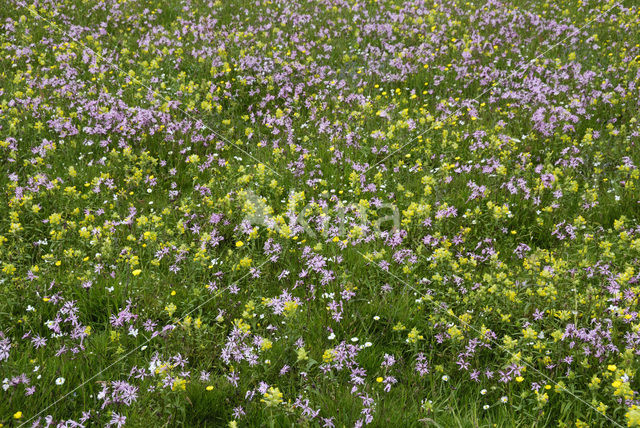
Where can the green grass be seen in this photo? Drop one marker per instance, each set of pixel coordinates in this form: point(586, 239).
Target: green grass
point(125, 125)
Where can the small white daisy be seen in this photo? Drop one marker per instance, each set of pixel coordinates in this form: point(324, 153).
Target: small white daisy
point(60, 381)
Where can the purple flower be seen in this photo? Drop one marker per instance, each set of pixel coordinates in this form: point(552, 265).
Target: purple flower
point(117, 420)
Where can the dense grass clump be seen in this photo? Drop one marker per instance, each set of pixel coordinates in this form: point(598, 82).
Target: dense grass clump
point(321, 213)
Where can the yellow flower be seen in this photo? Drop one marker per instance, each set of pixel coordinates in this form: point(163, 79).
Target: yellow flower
point(239, 244)
point(399, 327)
point(633, 417)
point(290, 307)
point(245, 262)
point(414, 336)
point(179, 384)
point(272, 397)
point(170, 308)
point(379, 379)
point(9, 269)
point(602, 408)
point(302, 354)
point(209, 388)
point(266, 344)
point(328, 355)
point(137, 272)
point(17, 415)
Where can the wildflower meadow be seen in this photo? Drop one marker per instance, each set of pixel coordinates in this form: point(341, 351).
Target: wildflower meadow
point(319, 213)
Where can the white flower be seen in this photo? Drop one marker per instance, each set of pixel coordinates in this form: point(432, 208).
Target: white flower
point(445, 378)
point(60, 381)
point(504, 399)
point(368, 344)
point(485, 407)
point(377, 318)
point(483, 392)
point(354, 339)
point(332, 336)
